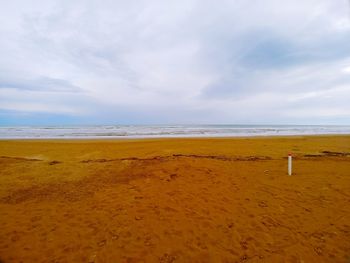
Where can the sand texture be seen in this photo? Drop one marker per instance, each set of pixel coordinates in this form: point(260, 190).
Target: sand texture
point(175, 200)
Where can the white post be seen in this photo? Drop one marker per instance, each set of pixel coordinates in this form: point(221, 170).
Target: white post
point(289, 164)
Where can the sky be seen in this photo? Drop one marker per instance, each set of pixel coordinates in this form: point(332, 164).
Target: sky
point(174, 62)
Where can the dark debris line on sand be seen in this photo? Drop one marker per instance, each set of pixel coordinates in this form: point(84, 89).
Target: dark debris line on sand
point(169, 157)
point(328, 154)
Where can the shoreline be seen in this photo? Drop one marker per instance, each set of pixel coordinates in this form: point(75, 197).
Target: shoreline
point(126, 138)
point(140, 139)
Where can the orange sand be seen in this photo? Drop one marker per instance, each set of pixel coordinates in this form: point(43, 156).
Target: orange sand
point(175, 200)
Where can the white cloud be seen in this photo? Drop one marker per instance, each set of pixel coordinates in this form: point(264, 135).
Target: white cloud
point(183, 61)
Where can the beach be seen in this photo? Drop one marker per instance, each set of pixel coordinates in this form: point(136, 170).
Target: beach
point(175, 200)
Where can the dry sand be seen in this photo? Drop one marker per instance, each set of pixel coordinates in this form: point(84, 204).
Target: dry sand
point(175, 200)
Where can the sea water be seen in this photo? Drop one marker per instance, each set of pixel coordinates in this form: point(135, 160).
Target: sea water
point(159, 131)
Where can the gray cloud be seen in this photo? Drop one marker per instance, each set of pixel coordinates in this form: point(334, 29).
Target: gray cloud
point(46, 84)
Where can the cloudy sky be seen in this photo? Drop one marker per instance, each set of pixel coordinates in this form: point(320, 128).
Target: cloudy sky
point(168, 62)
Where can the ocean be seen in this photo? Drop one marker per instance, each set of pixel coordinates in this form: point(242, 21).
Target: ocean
point(164, 131)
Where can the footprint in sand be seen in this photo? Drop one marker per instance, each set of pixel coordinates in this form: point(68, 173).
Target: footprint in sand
point(262, 204)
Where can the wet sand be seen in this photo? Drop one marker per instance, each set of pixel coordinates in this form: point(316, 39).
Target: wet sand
point(175, 200)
